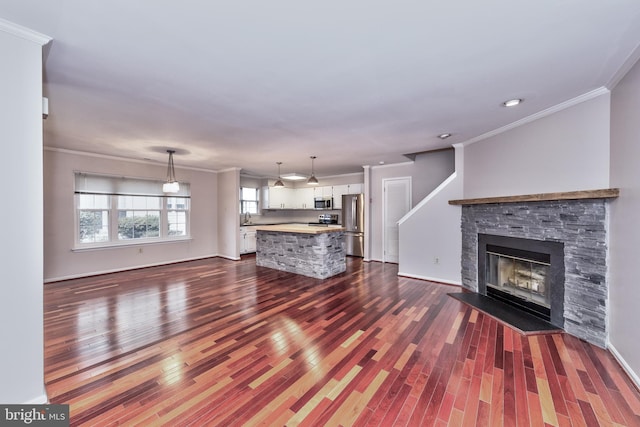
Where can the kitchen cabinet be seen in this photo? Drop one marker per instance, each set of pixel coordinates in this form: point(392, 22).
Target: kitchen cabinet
point(338, 191)
point(247, 240)
point(327, 191)
point(280, 197)
point(355, 188)
point(304, 198)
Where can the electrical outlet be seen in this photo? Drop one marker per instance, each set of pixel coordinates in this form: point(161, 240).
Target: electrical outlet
point(436, 260)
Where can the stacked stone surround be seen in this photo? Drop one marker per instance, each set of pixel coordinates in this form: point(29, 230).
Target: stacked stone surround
point(314, 255)
point(580, 224)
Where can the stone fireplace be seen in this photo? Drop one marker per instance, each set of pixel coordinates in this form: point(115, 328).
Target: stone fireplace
point(548, 250)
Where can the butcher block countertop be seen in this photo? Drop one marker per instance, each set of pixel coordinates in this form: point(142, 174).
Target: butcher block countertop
point(299, 228)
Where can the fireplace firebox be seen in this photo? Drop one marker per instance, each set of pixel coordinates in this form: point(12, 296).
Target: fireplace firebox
point(525, 273)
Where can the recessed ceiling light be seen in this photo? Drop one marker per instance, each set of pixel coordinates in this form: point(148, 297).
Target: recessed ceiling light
point(512, 102)
point(444, 135)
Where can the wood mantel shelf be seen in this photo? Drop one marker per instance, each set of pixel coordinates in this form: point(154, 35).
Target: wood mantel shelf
point(607, 193)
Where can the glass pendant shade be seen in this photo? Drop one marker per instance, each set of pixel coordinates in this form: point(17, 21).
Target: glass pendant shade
point(171, 187)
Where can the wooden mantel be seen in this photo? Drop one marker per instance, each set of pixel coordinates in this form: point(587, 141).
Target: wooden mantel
point(607, 193)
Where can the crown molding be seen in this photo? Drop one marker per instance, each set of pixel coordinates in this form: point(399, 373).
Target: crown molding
point(631, 60)
point(123, 159)
point(391, 165)
point(24, 32)
point(231, 169)
point(544, 113)
point(340, 175)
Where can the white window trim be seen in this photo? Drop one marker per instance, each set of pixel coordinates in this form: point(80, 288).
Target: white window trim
point(80, 178)
point(258, 201)
point(113, 227)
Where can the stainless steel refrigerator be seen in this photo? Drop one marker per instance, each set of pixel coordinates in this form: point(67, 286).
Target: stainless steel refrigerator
point(353, 222)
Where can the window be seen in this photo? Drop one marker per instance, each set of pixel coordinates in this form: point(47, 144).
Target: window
point(138, 217)
point(109, 212)
point(93, 218)
point(177, 210)
point(249, 200)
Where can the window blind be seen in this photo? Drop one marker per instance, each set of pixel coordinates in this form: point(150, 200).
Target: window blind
point(87, 183)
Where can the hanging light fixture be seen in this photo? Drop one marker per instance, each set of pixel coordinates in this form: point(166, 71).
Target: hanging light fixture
point(279, 182)
point(312, 179)
point(171, 185)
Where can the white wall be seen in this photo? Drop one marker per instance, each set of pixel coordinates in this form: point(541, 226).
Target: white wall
point(624, 292)
point(566, 151)
point(61, 262)
point(430, 237)
point(427, 172)
point(21, 319)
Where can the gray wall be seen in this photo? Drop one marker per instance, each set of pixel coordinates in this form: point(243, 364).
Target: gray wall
point(624, 297)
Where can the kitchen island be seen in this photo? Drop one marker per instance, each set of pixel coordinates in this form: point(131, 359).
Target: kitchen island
point(314, 251)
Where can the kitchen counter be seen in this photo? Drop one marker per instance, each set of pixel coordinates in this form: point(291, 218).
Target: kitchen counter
point(300, 228)
point(314, 251)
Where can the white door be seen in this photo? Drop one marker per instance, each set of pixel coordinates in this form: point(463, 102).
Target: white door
point(397, 202)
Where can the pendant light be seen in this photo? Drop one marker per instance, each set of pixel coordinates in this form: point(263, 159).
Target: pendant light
point(279, 182)
point(171, 185)
point(312, 179)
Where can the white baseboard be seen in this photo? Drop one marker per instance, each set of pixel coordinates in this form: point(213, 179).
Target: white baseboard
point(39, 400)
point(431, 279)
point(634, 377)
point(117, 270)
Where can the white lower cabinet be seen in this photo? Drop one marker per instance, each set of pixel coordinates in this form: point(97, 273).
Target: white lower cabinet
point(247, 240)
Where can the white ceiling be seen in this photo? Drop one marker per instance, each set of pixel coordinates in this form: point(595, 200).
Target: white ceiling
point(355, 82)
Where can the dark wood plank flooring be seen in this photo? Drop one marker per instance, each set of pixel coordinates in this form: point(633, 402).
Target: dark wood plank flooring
point(219, 342)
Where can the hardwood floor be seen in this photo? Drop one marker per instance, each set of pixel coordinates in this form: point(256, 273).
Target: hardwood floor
point(219, 342)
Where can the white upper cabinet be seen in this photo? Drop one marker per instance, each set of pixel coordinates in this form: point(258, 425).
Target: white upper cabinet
point(355, 188)
point(327, 191)
point(281, 198)
point(338, 191)
point(304, 198)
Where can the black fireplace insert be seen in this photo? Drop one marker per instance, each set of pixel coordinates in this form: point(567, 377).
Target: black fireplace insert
point(525, 273)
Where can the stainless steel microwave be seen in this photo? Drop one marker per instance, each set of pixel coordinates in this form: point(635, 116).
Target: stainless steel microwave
point(323, 202)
